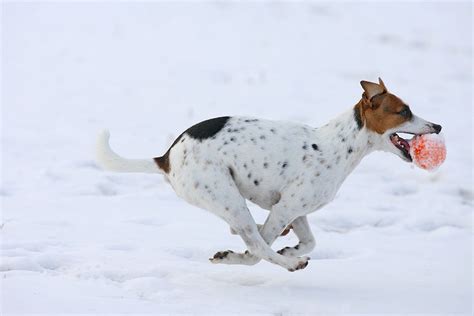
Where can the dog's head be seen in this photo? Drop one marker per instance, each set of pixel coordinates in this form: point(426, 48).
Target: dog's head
point(386, 115)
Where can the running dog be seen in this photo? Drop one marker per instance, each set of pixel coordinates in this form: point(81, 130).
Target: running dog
point(287, 168)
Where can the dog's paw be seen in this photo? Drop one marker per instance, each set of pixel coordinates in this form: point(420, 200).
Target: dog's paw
point(220, 255)
point(291, 251)
point(300, 265)
point(230, 257)
point(284, 251)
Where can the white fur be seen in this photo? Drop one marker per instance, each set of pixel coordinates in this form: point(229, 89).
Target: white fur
point(111, 161)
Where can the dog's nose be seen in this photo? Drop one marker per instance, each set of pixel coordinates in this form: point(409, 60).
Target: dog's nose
point(437, 128)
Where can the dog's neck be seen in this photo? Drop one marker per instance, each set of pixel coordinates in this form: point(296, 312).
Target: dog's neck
point(348, 140)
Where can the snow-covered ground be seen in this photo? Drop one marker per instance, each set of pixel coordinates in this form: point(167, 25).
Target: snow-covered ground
point(76, 239)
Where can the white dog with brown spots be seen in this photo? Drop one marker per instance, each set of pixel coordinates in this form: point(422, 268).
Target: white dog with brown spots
point(289, 169)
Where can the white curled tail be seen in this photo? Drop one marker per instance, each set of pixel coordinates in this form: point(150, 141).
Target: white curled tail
point(111, 161)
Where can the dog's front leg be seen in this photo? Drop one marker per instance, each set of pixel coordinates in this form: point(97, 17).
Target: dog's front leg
point(276, 222)
point(302, 230)
point(306, 239)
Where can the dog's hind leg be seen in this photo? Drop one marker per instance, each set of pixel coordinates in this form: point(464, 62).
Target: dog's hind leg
point(302, 230)
point(224, 200)
point(276, 223)
point(306, 239)
point(284, 233)
point(259, 249)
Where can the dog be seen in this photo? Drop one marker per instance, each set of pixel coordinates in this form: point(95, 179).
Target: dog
point(287, 168)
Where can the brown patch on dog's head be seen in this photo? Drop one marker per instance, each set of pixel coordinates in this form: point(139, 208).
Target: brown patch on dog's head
point(380, 110)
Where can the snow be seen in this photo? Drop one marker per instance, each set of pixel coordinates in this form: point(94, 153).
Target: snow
point(76, 239)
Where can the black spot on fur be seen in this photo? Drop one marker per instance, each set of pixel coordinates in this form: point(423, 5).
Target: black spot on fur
point(208, 128)
point(262, 137)
point(349, 150)
point(256, 182)
point(284, 165)
point(357, 117)
point(265, 165)
point(315, 147)
point(232, 139)
point(252, 120)
point(231, 173)
point(249, 175)
point(305, 147)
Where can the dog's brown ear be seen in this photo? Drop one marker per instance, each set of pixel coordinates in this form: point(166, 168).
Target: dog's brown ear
point(372, 89)
point(383, 85)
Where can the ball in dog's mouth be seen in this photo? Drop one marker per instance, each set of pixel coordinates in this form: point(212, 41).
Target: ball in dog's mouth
point(428, 151)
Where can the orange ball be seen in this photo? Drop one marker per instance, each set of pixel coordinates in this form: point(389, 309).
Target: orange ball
point(428, 151)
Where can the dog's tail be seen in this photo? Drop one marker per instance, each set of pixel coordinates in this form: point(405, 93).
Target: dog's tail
point(109, 160)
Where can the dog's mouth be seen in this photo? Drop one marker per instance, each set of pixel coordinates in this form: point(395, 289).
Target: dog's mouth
point(402, 144)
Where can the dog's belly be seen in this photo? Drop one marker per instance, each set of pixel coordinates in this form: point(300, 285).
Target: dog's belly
point(263, 198)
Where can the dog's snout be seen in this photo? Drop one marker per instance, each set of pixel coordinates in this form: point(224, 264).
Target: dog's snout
point(437, 128)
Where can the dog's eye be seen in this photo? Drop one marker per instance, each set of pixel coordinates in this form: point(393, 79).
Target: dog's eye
point(405, 112)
